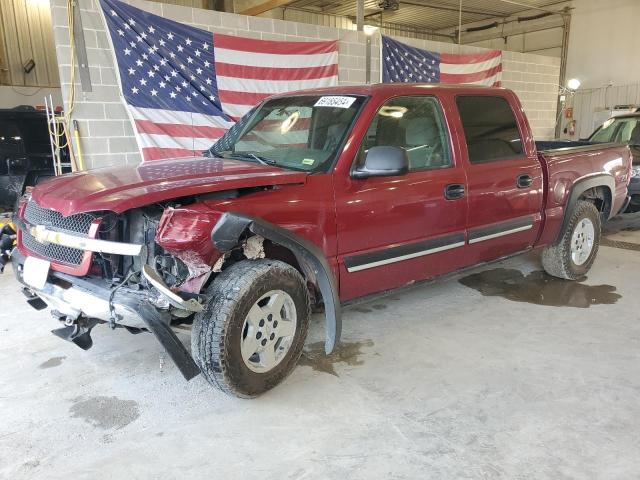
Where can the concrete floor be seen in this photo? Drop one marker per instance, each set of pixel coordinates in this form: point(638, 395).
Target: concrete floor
point(437, 381)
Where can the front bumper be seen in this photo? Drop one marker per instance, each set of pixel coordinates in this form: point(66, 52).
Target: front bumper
point(73, 297)
point(76, 299)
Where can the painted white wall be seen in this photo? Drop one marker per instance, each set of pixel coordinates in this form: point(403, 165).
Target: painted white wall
point(604, 42)
point(13, 96)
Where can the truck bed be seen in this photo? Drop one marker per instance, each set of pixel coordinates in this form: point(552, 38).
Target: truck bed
point(573, 162)
point(570, 146)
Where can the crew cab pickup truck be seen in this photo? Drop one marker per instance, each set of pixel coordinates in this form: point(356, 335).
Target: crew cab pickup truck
point(312, 199)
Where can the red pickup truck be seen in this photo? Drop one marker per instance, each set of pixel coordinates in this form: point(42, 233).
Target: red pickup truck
point(312, 199)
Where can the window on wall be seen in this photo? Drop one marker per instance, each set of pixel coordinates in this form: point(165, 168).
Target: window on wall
point(415, 124)
point(490, 128)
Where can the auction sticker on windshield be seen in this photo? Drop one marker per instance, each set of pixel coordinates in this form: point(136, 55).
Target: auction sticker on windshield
point(335, 101)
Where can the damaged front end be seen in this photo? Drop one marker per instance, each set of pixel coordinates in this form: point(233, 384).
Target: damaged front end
point(141, 270)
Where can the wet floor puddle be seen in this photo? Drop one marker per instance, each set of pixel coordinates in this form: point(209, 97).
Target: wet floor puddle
point(369, 308)
point(346, 352)
point(539, 288)
point(52, 362)
point(105, 412)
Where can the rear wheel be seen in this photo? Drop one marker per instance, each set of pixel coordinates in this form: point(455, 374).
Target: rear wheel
point(250, 336)
point(575, 252)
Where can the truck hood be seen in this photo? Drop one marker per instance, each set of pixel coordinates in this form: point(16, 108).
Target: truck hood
point(121, 188)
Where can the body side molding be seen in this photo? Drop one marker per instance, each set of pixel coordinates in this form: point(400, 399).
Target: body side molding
point(501, 229)
point(399, 253)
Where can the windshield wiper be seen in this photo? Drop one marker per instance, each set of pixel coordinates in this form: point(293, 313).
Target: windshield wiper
point(262, 160)
point(245, 155)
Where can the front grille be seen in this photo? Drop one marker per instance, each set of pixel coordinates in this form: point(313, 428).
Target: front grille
point(78, 224)
point(51, 251)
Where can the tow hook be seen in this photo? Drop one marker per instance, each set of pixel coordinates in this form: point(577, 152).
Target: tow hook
point(76, 330)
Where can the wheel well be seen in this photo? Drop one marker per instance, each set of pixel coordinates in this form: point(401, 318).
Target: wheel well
point(601, 198)
point(276, 252)
point(279, 252)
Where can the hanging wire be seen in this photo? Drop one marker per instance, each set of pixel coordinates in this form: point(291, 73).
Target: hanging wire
point(460, 26)
point(59, 127)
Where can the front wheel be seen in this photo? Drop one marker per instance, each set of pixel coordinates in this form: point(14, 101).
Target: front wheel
point(250, 336)
point(575, 252)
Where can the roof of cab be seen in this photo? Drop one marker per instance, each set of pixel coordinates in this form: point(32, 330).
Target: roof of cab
point(386, 89)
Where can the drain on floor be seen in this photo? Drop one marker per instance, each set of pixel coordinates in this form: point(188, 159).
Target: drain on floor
point(539, 288)
point(346, 352)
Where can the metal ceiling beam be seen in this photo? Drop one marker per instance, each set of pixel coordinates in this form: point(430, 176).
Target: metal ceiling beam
point(531, 7)
point(437, 6)
point(265, 7)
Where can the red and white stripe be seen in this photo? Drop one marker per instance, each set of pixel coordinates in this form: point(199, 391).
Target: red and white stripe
point(475, 68)
point(170, 134)
point(249, 70)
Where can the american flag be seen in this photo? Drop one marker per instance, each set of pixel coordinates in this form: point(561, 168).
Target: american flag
point(184, 86)
point(403, 63)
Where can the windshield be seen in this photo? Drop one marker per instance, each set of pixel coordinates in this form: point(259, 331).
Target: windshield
point(298, 132)
point(619, 130)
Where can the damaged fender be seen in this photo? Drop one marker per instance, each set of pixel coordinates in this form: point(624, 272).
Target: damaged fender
point(185, 233)
point(231, 226)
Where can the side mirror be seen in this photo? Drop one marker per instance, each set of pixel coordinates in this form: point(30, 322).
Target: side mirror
point(383, 162)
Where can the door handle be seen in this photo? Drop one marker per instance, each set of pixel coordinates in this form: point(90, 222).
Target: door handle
point(454, 191)
point(524, 181)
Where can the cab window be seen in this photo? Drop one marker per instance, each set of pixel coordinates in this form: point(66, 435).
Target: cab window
point(490, 128)
point(415, 124)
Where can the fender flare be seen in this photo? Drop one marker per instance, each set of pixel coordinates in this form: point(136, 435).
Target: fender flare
point(227, 233)
point(580, 186)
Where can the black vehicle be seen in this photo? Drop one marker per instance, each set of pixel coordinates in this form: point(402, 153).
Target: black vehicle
point(624, 129)
point(25, 152)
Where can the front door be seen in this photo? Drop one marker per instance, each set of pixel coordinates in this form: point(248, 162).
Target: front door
point(504, 175)
point(399, 229)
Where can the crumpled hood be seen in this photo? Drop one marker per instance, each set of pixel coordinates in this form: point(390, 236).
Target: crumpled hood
point(121, 188)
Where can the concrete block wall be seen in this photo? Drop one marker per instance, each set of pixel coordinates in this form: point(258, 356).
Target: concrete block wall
point(107, 135)
point(535, 78)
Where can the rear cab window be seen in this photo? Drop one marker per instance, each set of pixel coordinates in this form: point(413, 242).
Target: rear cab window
point(490, 128)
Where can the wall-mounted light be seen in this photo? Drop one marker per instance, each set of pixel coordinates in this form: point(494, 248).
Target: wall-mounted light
point(369, 29)
point(573, 84)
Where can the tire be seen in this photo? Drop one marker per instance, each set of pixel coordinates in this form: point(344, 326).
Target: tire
point(222, 330)
point(559, 259)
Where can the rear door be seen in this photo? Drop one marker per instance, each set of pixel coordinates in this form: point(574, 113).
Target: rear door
point(399, 229)
point(504, 175)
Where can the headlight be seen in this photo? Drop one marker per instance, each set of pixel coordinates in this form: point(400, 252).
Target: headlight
point(635, 171)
